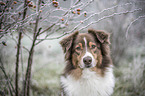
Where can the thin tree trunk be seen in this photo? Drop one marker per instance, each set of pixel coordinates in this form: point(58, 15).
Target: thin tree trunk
point(29, 67)
point(17, 65)
point(18, 54)
point(28, 72)
point(30, 58)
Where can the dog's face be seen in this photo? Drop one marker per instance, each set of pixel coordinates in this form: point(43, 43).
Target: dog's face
point(84, 49)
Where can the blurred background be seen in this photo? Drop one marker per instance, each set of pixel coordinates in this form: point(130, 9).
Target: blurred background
point(40, 24)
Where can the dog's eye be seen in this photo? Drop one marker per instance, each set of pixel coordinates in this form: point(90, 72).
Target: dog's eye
point(93, 46)
point(78, 48)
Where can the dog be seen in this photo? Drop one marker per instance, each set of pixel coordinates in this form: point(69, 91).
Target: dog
point(89, 68)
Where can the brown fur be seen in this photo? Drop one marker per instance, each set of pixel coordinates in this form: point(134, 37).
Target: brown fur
point(71, 44)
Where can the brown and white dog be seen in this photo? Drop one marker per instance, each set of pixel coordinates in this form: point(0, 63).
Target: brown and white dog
point(88, 71)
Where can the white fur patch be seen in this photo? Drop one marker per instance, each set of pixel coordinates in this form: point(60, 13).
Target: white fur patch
point(90, 84)
point(85, 43)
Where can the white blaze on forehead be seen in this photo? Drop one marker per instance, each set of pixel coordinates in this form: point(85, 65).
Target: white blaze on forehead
point(85, 43)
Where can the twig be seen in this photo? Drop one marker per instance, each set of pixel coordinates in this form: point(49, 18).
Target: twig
point(56, 37)
point(77, 2)
point(107, 9)
point(7, 79)
point(59, 19)
point(110, 16)
point(25, 48)
point(45, 36)
point(47, 29)
point(27, 36)
point(86, 4)
point(132, 23)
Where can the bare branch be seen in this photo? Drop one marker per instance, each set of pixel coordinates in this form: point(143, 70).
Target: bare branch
point(139, 17)
point(107, 9)
point(11, 88)
point(47, 29)
point(86, 4)
point(110, 16)
point(26, 48)
point(27, 36)
point(105, 17)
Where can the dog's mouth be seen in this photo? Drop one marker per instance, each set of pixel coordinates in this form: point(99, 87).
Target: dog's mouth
point(88, 66)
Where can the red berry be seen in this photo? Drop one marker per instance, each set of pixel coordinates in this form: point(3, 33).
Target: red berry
point(78, 13)
point(78, 9)
point(15, 2)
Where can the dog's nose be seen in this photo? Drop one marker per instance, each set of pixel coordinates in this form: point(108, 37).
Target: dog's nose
point(87, 60)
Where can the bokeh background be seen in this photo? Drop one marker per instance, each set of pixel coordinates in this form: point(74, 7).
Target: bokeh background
point(124, 19)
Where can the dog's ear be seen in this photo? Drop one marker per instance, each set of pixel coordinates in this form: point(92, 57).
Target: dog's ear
point(101, 36)
point(66, 44)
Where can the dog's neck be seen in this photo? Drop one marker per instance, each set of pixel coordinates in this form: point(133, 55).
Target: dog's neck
point(90, 84)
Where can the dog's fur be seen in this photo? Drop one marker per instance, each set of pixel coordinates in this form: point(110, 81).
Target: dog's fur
point(88, 71)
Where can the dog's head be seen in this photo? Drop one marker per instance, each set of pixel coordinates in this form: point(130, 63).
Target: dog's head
point(86, 50)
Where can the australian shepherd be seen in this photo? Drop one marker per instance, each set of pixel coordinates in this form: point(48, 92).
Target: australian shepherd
point(88, 71)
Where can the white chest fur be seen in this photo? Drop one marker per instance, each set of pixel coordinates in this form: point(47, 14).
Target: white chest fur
point(90, 84)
